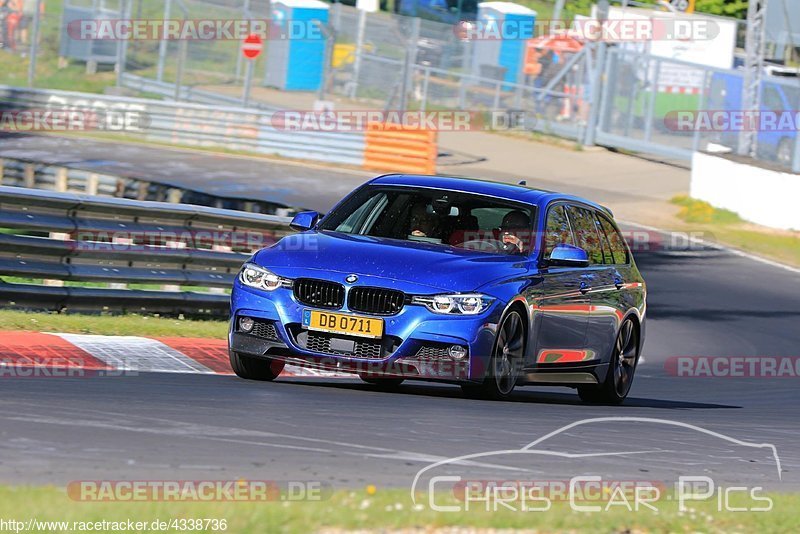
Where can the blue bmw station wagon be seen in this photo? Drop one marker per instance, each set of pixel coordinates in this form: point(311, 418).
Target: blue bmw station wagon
point(477, 283)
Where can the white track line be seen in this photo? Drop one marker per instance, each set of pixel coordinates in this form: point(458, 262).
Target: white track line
point(132, 353)
point(717, 246)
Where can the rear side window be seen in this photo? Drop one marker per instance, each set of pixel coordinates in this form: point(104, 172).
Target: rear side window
point(615, 241)
point(557, 231)
point(586, 235)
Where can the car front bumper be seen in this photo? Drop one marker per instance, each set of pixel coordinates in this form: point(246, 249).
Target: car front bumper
point(415, 344)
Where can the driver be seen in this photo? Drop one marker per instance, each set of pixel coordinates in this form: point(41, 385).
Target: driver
point(515, 231)
point(423, 224)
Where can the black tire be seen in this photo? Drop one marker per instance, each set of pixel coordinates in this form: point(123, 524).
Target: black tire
point(621, 370)
point(381, 381)
point(255, 368)
point(505, 363)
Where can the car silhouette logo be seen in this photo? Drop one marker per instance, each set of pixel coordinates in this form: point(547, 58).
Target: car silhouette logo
point(351, 279)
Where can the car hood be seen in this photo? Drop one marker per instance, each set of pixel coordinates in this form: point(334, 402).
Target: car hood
point(425, 265)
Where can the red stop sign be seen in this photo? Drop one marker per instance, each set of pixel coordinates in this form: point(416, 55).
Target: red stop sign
point(252, 46)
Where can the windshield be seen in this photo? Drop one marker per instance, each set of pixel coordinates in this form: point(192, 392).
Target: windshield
point(447, 218)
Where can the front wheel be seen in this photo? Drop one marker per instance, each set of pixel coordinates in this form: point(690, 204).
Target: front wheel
point(622, 367)
point(506, 361)
point(255, 368)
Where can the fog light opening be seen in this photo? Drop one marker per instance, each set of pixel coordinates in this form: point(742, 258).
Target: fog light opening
point(246, 324)
point(457, 352)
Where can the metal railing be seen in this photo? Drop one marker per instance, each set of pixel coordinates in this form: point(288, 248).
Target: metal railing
point(231, 128)
point(62, 179)
point(63, 251)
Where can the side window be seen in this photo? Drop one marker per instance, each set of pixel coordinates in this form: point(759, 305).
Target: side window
point(355, 222)
point(557, 230)
point(608, 257)
point(586, 236)
point(615, 240)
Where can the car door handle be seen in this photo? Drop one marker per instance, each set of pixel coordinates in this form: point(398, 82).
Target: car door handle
point(585, 288)
point(618, 283)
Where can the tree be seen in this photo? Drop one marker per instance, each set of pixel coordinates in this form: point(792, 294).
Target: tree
point(727, 8)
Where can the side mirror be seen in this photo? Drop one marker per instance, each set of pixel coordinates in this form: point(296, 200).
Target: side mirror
point(568, 256)
point(305, 220)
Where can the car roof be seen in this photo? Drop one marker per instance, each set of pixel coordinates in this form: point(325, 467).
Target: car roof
point(514, 192)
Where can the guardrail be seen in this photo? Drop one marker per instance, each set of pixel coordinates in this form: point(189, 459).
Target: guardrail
point(74, 243)
point(35, 175)
point(231, 128)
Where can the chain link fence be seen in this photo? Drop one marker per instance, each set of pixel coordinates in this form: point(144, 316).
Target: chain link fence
point(606, 94)
point(673, 108)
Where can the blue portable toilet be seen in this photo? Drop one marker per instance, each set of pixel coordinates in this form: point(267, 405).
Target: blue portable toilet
point(296, 55)
point(504, 26)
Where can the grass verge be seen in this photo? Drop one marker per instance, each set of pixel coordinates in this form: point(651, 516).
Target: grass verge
point(393, 510)
point(723, 226)
point(122, 325)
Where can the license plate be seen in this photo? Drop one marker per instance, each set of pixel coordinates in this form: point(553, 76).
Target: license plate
point(339, 323)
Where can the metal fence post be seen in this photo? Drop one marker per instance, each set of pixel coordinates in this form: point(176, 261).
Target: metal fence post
point(92, 183)
point(182, 48)
point(410, 60)
point(34, 43)
point(701, 105)
point(61, 180)
point(598, 77)
point(425, 83)
point(248, 80)
point(29, 175)
point(120, 67)
point(162, 45)
point(329, 34)
point(362, 23)
point(651, 100)
point(240, 57)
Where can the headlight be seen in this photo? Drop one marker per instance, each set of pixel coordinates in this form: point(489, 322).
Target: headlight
point(472, 304)
point(254, 276)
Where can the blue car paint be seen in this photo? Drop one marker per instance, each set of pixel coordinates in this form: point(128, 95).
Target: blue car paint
point(558, 315)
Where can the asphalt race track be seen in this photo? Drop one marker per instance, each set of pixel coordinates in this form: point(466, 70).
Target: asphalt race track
point(282, 182)
point(702, 302)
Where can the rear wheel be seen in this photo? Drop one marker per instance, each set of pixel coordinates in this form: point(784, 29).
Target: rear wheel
point(506, 361)
point(622, 367)
point(255, 368)
point(380, 381)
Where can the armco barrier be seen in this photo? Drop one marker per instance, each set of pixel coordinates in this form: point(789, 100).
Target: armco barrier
point(65, 237)
point(404, 150)
point(234, 128)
